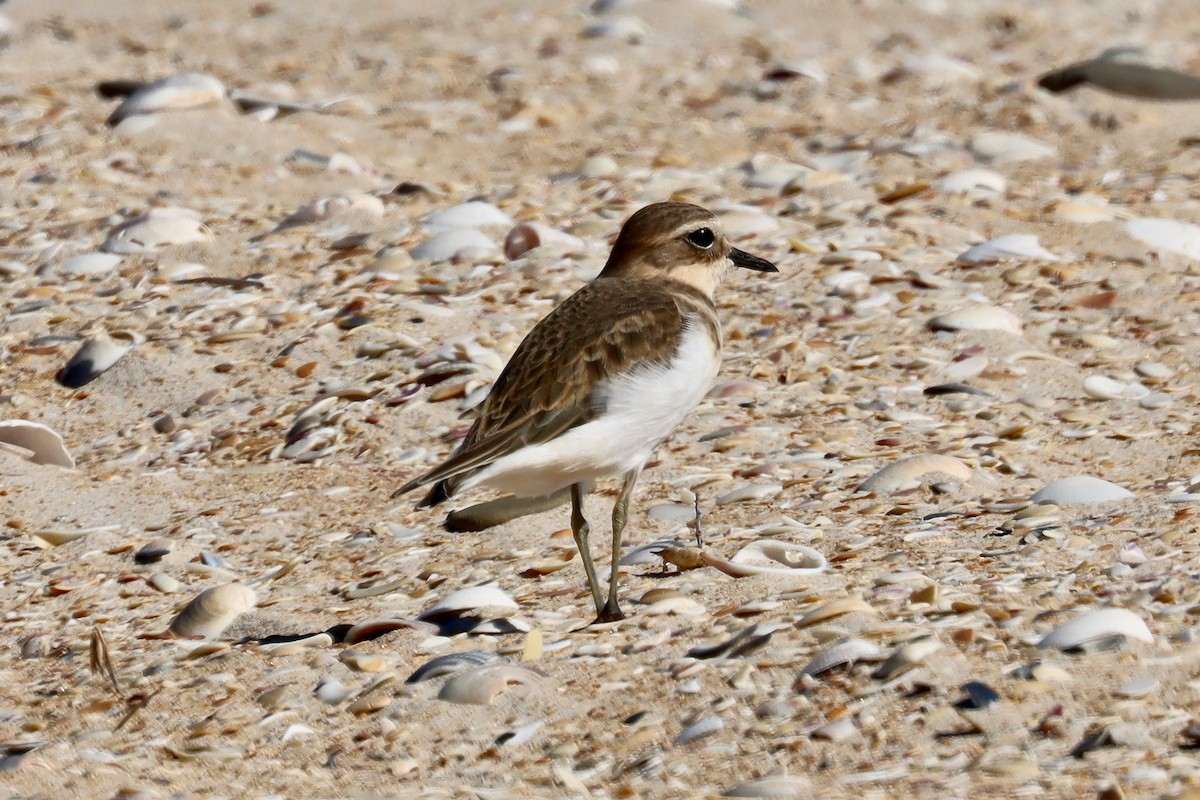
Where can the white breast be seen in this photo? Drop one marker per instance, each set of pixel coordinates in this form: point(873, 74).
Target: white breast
point(641, 408)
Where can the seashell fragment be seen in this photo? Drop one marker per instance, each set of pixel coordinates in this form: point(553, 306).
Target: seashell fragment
point(453, 662)
point(751, 491)
point(907, 655)
point(1166, 235)
point(89, 264)
point(744, 643)
point(1014, 246)
point(1080, 489)
point(833, 609)
point(36, 442)
point(977, 318)
point(454, 243)
point(1097, 624)
point(628, 29)
point(705, 726)
point(971, 181)
point(481, 685)
point(908, 473)
point(839, 730)
point(158, 227)
point(374, 628)
point(529, 235)
point(472, 214)
point(94, 357)
point(776, 787)
point(474, 599)
point(186, 90)
point(213, 610)
point(1003, 147)
point(843, 653)
point(770, 557)
point(1100, 387)
point(330, 207)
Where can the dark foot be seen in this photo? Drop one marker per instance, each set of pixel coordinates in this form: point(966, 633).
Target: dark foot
point(610, 613)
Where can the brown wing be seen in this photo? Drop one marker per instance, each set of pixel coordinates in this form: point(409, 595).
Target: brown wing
point(609, 326)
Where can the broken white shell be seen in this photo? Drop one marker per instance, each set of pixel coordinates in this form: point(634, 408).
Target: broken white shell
point(1097, 624)
point(977, 318)
point(481, 685)
point(39, 443)
point(331, 206)
point(1080, 489)
point(971, 181)
point(1002, 147)
point(213, 610)
point(776, 787)
point(94, 356)
point(472, 214)
point(186, 90)
point(1100, 387)
point(771, 557)
point(1167, 235)
point(158, 227)
point(840, 654)
point(914, 471)
point(907, 655)
point(1013, 246)
point(487, 597)
point(87, 264)
point(456, 242)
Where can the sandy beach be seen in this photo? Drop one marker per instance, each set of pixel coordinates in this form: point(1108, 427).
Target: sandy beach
point(947, 478)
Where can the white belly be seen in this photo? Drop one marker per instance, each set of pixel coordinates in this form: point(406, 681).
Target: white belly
point(641, 409)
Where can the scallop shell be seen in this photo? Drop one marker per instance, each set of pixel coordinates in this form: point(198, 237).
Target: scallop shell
point(213, 610)
point(37, 442)
point(770, 557)
point(158, 227)
point(94, 356)
point(186, 90)
point(841, 654)
point(908, 473)
point(481, 685)
point(977, 318)
point(1097, 624)
point(1080, 489)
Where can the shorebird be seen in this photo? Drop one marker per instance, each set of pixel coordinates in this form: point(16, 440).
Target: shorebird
point(599, 383)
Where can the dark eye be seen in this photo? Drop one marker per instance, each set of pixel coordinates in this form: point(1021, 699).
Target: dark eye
point(702, 238)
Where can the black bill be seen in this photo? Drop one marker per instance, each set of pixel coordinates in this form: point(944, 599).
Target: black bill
point(741, 258)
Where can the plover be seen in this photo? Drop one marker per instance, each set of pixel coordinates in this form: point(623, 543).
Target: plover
point(598, 384)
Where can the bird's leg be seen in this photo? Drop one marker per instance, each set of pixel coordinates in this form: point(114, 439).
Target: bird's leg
point(620, 515)
point(699, 532)
point(579, 529)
